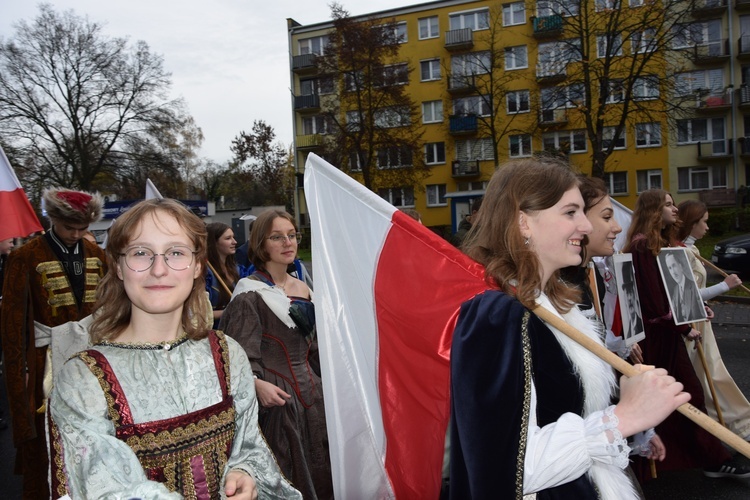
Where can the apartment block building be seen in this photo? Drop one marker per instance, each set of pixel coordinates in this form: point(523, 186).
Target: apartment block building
point(668, 102)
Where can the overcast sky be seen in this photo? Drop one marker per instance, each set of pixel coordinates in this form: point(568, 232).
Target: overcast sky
point(228, 58)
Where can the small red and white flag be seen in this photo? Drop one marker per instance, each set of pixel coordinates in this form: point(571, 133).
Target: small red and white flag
point(17, 214)
point(387, 297)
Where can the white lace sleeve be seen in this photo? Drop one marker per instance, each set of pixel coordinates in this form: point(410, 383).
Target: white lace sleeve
point(567, 448)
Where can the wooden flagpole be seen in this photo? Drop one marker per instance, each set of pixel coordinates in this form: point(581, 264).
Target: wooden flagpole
point(702, 355)
point(688, 410)
point(221, 281)
point(719, 270)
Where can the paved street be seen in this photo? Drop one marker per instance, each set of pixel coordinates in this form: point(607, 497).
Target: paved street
point(732, 328)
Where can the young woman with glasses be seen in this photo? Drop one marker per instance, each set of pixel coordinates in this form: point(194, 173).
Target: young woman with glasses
point(272, 316)
point(160, 406)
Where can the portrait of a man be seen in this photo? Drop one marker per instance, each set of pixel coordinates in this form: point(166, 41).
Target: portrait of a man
point(630, 305)
point(682, 291)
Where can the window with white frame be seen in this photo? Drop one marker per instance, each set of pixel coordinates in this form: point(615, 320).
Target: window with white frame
point(471, 186)
point(648, 179)
point(476, 20)
point(435, 195)
point(316, 86)
point(317, 124)
point(472, 105)
point(643, 41)
point(432, 112)
point(609, 137)
point(394, 157)
point(398, 34)
point(706, 33)
point(393, 74)
point(567, 8)
point(516, 57)
point(514, 13)
point(635, 3)
point(613, 90)
point(700, 178)
point(704, 82)
point(475, 149)
point(565, 141)
point(520, 145)
point(553, 57)
point(517, 101)
point(353, 80)
point(394, 116)
point(428, 27)
point(356, 161)
point(569, 96)
point(692, 130)
point(434, 153)
point(353, 119)
point(602, 5)
point(647, 135)
point(617, 183)
point(646, 88)
point(609, 45)
point(429, 70)
point(315, 45)
point(398, 197)
point(473, 63)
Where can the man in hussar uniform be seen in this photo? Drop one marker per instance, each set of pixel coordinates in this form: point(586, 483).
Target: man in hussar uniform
point(49, 281)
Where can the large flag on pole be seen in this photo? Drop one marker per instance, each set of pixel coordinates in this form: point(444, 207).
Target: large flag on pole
point(18, 216)
point(387, 296)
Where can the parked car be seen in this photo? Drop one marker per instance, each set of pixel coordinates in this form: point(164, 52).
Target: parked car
point(733, 255)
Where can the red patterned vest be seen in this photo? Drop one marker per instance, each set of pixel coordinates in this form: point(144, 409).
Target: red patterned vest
point(187, 453)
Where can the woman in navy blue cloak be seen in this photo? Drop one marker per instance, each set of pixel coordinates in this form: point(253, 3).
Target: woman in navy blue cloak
point(531, 408)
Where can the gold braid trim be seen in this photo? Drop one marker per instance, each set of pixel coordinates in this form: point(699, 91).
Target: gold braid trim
point(526, 344)
point(58, 465)
point(106, 388)
point(225, 357)
point(92, 263)
point(50, 267)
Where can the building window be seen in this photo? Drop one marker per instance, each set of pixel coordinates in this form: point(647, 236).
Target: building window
point(430, 70)
point(617, 183)
point(635, 3)
point(694, 130)
point(353, 120)
point(316, 86)
point(476, 20)
point(518, 101)
point(317, 124)
point(516, 57)
point(706, 82)
point(700, 178)
point(394, 157)
point(435, 195)
point(648, 179)
point(643, 41)
point(432, 112)
point(395, 116)
point(609, 45)
point(566, 141)
point(393, 74)
point(398, 197)
point(520, 145)
point(608, 137)
point(315, 45)
point(567, 8)
point(475, 149)
point(553, 57)
point(356, 161)
point(474, 63)
point(706, 34)
point(428, 27)
point(613, 90)
point(434, 153)
point(646, 88)
point(353, 81)
point(399, 32)
point(647, 135)
point(514, 13)
point(602, 5)
point(473, 105)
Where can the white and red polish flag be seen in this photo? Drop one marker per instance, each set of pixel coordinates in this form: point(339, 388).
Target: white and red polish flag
point(387, 296)
point(18, 216)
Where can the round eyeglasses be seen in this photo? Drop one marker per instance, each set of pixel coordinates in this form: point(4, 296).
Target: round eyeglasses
point(281, 238)
point(140, 259)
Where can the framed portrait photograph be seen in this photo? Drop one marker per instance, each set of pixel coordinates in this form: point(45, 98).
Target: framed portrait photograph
point(627, 296)
point(684, 296)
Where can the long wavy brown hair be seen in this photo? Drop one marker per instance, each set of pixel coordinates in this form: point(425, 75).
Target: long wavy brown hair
point(113, 305)
point(691, 212)
point(495, 239)
point(648, 221)
point(215, 231)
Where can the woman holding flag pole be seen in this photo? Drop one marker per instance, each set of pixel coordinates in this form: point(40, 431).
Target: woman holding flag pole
point(654, 226)
point(530, 408)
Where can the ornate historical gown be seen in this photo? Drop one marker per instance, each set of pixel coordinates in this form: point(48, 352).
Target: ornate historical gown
point(174, 419)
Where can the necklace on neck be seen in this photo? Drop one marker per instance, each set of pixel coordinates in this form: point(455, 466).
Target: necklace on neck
point(283, 285)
